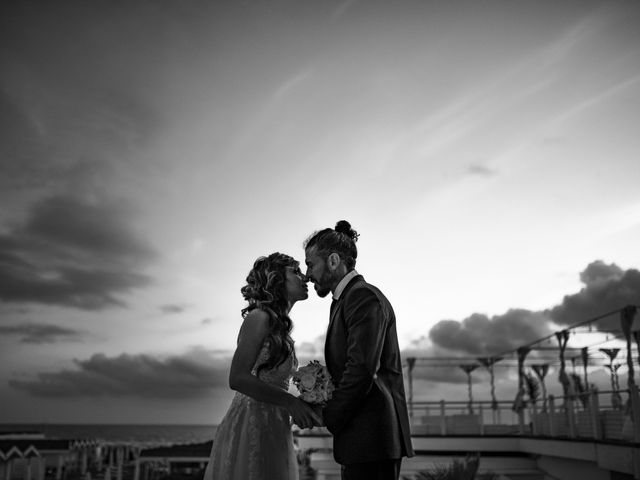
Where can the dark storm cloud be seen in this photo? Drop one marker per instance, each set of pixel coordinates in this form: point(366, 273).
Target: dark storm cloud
point(74, 92)
point(82, 226)
point(40, 333)
point(72, 252)
point(481, 335)
point(20, 148)
point(607, 288)
point(193, 374)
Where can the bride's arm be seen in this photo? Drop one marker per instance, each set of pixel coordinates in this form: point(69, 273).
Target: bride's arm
point(250, 340)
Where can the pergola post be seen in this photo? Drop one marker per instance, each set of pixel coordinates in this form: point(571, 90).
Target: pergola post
point(83, 460)
point(8, 469)
point(60, 462)
point(119, 461)
point(595, 415)
point(27, 472)
point(136, 471)
point(410, 364)
point(42, 466)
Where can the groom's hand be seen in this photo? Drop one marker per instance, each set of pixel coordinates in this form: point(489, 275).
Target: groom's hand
point(303, 414)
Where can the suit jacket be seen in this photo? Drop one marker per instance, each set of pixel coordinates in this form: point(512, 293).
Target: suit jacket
point(367, 414)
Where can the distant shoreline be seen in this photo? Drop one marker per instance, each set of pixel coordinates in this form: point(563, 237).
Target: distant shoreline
point(3, 424)
point(146, 435)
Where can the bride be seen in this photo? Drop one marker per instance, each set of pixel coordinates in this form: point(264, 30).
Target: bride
point(254, 439)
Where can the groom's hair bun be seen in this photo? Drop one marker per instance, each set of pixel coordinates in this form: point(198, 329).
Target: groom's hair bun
point(341, 240)
point(344, 227)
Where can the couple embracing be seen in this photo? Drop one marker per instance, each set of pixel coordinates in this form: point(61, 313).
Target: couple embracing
point(367, 413)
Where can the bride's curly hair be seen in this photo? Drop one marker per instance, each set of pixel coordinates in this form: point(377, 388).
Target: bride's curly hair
point(266, 290)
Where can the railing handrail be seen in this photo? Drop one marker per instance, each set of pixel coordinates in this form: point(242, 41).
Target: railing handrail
point(510, 402)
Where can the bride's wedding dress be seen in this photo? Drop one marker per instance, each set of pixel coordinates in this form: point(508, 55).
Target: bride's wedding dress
point(254, 439)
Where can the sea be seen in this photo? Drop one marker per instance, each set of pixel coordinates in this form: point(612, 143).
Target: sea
point(144, 436)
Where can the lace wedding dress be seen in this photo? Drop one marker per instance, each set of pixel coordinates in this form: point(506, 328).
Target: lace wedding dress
point(254, 439)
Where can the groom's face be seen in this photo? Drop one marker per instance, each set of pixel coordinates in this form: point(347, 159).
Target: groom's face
point(318, 272)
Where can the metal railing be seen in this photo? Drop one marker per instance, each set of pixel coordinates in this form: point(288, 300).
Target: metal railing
point(597, 415)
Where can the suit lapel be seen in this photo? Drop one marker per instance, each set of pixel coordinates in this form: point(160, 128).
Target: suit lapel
point(335, 304)
point(332, 315)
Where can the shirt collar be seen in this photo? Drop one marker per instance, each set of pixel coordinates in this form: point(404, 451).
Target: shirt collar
point(343, 284)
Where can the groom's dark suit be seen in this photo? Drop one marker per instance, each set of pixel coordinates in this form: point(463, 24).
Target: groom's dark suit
point(368, 412)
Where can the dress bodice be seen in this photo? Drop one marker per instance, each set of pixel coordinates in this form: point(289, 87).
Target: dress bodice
point(278, 376)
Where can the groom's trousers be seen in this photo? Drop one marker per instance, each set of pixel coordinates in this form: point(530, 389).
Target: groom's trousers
point(381, 470)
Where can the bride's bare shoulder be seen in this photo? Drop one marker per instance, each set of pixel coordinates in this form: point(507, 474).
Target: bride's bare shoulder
point(256, 319)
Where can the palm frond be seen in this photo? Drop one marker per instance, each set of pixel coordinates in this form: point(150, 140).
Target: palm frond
point(533, 386)
point(457, 470)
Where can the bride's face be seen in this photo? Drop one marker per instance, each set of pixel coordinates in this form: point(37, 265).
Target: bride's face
point(296, 285)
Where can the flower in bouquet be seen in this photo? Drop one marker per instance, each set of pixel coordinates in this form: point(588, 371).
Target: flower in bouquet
point(314, 383)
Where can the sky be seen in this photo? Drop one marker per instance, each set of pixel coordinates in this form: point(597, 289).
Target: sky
point(486, 152)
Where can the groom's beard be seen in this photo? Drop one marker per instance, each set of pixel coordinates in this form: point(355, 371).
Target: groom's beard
point(323, 285)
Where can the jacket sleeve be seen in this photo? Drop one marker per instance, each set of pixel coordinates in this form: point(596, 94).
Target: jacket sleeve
point(366, 326)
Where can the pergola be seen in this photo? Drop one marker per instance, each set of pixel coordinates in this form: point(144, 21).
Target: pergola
point(584, 345)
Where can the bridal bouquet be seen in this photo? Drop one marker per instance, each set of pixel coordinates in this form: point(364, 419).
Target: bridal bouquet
point(313, 382)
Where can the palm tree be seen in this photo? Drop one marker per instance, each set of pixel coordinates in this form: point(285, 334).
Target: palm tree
point(582, 391)
point(626, 319)
point(585, 361)
point(468, 369)
point(563, 338)
point(457, 470)
point(541, 371)
point(532, 386)
point(488, 363)
point(519, 403)
point(616, 399)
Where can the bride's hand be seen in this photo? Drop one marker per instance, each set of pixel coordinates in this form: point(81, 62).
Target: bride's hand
point(303, 414)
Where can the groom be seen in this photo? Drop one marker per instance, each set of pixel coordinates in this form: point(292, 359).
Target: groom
point(368, 412)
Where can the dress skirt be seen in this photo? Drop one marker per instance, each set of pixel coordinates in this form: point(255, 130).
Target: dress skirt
point(253, 442)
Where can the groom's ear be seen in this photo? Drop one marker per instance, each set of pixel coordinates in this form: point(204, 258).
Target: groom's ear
point(333, 261)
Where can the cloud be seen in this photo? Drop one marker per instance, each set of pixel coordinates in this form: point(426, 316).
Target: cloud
point(607, 288)
point(481, 170)
point(480, 335)
point(21, 145)
point(173, 308)
point(86, 226)
point(291, 84)
point(193, 374)
point(41, 333)
point(72, 252)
